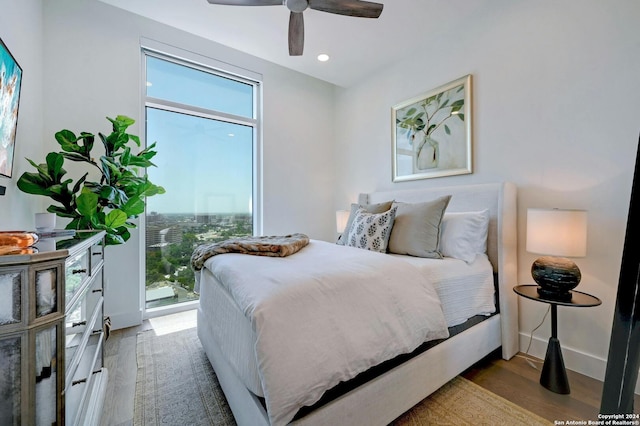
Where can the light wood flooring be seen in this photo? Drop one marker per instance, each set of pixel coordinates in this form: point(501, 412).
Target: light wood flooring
point(514, 380)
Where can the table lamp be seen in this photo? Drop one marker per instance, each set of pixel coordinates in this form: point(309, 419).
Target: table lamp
point(557, 234)
point(342, 217)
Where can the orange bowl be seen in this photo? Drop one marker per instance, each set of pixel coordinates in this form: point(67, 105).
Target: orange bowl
point(18, 239)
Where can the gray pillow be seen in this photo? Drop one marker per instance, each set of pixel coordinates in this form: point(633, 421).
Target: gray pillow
point(370, 208)
point(416, 229)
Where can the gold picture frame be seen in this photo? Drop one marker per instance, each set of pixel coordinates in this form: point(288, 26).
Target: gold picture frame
point(431, 133)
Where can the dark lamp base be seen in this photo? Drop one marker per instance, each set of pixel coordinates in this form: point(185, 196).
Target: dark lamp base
point(555, 276)
point(554, 295)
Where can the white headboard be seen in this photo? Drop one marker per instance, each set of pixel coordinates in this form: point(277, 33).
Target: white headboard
point(502, 248)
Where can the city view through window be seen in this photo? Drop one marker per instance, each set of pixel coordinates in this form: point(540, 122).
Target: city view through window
point(204, 127)
point(171, 238)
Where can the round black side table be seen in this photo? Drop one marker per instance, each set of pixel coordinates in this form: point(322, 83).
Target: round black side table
point(554, 374)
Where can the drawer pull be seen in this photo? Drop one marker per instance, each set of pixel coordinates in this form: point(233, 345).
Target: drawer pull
point(98, 331)
point(97, 253)
point(77, 382)
point(79, 271)
point(98, 290)
point(75, 324)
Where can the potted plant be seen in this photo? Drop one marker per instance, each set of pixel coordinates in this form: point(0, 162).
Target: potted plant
point(107, 204)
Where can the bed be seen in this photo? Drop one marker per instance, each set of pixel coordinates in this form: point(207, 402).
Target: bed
point(381, 389)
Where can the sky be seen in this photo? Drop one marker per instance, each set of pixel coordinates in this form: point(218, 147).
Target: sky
point(205, 165)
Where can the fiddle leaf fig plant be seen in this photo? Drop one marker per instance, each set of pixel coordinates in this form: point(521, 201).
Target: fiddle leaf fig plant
point(108, 204)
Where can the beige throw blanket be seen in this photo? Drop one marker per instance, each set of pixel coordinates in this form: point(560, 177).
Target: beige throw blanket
point(274, 246)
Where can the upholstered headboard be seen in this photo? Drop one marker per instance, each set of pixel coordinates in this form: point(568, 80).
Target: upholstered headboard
point(500, 199)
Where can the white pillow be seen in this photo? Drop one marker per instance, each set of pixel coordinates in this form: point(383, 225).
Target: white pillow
point(464, 234)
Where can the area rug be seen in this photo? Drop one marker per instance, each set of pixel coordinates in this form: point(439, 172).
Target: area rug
point(175, 385)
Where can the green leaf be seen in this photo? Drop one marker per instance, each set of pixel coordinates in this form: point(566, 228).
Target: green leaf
point(113, 240)
point(33, 183)
point(446, 129)
point(105, 142)
point(73, 156)
point(61, 211)
point(78, 184)
point(134, 206)
point(115, 218)
point(139, 161)
point(461, 116)
point(135, 139)
point(125, 157)
point(87, 141)
point(67, 140)
point(55, 162)
point(87, 203)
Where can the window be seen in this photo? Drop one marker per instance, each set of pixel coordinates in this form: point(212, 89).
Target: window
point(205, 124)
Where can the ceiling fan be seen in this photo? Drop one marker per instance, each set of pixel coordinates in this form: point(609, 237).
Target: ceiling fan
point(357, 8)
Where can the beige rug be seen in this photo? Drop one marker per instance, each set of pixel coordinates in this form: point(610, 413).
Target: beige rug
point(462, 402)
point(176, 385)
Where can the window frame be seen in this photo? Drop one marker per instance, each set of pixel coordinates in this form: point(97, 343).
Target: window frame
point(152, 48)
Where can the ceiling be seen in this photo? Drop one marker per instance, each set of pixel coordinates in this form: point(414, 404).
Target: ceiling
point(357, 46)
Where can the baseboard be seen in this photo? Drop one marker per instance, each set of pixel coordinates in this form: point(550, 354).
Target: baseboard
point(125, 319)
point(574, 360)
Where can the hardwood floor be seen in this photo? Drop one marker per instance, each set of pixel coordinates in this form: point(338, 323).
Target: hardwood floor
point(518, 382)
point(120, 360)
point(514, 380)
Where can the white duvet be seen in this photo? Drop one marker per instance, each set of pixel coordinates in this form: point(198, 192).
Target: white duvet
point(326, 314)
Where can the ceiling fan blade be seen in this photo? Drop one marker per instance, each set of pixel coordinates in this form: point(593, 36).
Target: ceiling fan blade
point(247, 2)
point(358, 8)
point(296, 34)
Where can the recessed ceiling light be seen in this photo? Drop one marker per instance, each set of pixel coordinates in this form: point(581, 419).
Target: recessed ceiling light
point(323, 57)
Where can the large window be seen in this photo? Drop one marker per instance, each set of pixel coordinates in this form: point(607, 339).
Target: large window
point(205, 125)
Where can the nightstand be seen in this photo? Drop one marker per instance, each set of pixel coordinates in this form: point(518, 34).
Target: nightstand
point(554, 374)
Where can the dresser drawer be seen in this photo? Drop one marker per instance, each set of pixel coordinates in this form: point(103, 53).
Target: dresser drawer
point(77, 336)
point(78, 388)
point(76, 274)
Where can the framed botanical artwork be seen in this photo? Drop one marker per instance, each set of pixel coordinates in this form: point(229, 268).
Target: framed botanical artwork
point(10, 82)
point(431, 133)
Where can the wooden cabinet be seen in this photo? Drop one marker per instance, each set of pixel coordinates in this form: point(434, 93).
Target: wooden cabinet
point(52, 333)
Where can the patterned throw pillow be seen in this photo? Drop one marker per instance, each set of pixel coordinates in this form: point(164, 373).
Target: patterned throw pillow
point(371, 231)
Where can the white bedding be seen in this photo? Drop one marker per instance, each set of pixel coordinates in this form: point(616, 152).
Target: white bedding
point(348, 307)
point(465, 290)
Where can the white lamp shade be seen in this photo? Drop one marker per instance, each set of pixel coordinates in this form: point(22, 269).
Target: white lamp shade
point(557, 232)
point(342, 216)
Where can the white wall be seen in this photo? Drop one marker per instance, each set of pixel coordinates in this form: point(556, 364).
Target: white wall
point(21, 31)
point(555, 110)
point(92, 62)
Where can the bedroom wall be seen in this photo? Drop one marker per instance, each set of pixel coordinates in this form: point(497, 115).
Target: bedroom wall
point(555, 110)
point(16, 207)
point(93, 63)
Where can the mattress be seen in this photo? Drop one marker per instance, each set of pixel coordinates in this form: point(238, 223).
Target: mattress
point(465, 290)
